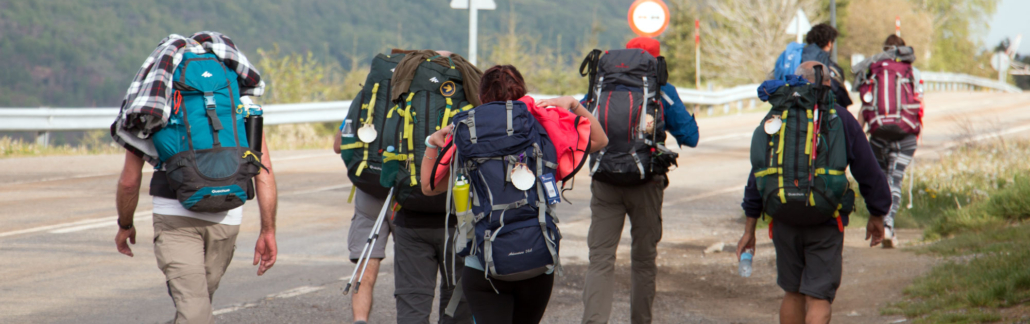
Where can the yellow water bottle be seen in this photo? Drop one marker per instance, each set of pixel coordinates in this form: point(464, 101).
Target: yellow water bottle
point(461, 196)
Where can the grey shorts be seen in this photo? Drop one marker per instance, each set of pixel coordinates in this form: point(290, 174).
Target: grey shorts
point(808, 259)
point(366, 210)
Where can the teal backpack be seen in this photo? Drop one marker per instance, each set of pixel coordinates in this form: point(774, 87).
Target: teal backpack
point(203, 148)
point(799, 159)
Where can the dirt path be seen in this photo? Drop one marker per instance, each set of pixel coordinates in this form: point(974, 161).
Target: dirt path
point(702, 208)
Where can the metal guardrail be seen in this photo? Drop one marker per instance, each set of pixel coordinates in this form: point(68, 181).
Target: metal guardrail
point(944, 81)
point(45, 120)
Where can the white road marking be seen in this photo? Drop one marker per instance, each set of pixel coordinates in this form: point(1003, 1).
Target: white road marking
point(724, 137)
point(109, 221)
point(102, 222)
point(296, 292)
point(234, 308)
point(85, 222)
point(299, 157)
point(150, 170)
point(990, 135)
point(329, 188)
point(285, 294)
point(705, 195)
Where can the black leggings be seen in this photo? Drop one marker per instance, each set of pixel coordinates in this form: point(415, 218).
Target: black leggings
point(519, 302)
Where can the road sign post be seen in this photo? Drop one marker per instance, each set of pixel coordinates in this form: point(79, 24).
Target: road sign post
point(697, 53)
point(473, 6)
point(897, 26)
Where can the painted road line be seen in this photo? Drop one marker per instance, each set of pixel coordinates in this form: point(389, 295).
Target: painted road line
point(300, 157)
point(234, 308)
point(705, 195)
point(285, 294)
point(329, 188)
point(986, 136)
point(59, 227)
point(297, 292)
point(109, 221)
point(50, 227)
point(102, 223)
point(725, 137)
point(148, 170)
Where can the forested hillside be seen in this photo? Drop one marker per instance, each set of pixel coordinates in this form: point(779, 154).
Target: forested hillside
point(83, 53)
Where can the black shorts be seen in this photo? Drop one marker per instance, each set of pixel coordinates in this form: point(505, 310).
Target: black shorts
point(808, 259)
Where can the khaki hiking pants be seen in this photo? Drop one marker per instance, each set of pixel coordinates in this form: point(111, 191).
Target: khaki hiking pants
point(193, 254)
point(608, 208)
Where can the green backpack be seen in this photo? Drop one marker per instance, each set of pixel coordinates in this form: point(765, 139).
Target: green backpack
point(365, 160)
point(436, 95)
point(799, 165)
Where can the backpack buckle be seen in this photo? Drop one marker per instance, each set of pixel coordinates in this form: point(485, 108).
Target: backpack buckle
point(209, 100)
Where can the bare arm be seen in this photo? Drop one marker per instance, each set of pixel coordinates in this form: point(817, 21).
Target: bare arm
point(439, 139)
point(336, 141)
point(747, 241)
point(265, 250)
point(598, 139)
point(126, 199)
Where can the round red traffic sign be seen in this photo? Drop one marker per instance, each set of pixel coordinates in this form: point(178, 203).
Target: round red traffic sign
point(648, 18)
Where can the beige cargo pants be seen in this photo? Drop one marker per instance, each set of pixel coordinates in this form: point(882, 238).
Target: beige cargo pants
point(193, 254)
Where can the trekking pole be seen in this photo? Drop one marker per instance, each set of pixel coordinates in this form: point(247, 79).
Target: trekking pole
point(368, 245)
point(375, 237)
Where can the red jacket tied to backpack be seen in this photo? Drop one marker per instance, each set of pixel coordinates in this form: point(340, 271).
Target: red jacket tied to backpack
point(569, 133)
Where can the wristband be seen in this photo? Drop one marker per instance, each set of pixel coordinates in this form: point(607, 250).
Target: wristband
point(430, 145)
point(119, 222)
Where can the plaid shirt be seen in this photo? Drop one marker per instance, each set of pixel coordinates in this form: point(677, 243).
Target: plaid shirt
point(144, 109)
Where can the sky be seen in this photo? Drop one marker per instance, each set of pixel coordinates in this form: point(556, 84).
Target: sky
point(1010, 19)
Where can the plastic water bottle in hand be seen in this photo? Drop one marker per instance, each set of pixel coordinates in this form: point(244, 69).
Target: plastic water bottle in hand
point(745, 263)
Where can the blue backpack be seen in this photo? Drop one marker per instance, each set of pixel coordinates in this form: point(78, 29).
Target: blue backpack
point(788, 61)
point(515, 236)
point(203, 148)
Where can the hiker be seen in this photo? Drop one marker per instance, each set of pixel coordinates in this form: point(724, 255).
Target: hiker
point(427, 88)
point(195, 230)
point(819, 43)
point(508, 276)
point(630, 179)
point(366, 209)
point(894, 118)
point(361, 150)
point(805, 192)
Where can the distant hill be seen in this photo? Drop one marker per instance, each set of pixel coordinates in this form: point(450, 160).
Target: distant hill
point(84, 53)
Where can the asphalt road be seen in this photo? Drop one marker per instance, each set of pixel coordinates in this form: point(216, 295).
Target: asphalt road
point(58, 263)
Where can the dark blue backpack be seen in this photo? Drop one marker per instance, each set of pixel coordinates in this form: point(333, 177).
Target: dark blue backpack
point(203, 148)
point(515, 233)
point(788, 61)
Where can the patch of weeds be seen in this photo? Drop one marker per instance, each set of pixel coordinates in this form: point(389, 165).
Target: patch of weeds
point(983, 273)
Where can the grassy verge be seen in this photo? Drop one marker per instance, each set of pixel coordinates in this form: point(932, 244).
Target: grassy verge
point(984, 275)
point(94, 142)
point(975, 198)
point(301, 136)
point(970, 188)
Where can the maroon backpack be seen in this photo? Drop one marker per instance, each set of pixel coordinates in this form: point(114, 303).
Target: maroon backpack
point(889, 101)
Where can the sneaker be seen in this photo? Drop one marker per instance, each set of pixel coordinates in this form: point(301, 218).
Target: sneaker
point(888, 238)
